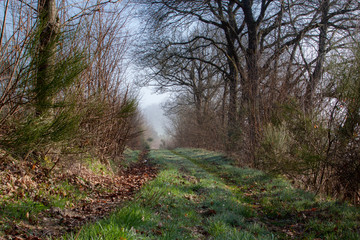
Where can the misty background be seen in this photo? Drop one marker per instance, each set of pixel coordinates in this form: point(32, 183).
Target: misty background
point(156, 122)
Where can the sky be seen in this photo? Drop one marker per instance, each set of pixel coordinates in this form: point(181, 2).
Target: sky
point(148, 97)
point(150, 105)
point(149, 101)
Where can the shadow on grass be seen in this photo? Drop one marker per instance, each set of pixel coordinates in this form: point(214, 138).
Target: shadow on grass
point(286, 211)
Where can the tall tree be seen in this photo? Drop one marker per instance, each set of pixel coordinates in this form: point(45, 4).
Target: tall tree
point(254, 35)
point(47, 18)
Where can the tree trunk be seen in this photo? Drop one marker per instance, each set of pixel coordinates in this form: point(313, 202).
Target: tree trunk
point(232, 111)
point(46, 54)
point(232, 80)
point(252, 81)
point(224, 104)
point(318, 71)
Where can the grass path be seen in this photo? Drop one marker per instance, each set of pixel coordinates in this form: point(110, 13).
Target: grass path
point(201, 195)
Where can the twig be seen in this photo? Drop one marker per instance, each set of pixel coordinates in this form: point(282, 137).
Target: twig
point(49, 171)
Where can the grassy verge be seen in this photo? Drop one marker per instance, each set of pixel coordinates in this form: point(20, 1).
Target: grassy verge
point(25, 190)
point(130, 156)
point(286, 211)
point(23, 197)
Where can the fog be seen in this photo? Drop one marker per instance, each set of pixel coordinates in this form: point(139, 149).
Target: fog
point(155, 118)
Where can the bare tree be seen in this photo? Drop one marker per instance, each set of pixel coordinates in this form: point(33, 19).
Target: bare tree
point(255, 35)
point(177, 69)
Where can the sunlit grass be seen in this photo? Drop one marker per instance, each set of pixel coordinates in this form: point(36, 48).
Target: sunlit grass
point(278, 204)
point(203, 195)
point(183, 202)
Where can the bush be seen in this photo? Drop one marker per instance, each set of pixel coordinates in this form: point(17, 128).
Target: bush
point(323, 148)
point(294, 144)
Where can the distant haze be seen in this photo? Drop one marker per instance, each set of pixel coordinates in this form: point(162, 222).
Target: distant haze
point(148, 97)
point(154, 116)
point(150, 103)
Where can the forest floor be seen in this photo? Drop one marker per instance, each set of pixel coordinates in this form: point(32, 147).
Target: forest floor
point(196, 194)
point(35, 206)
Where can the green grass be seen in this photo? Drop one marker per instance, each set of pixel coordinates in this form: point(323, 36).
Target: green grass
point(183, 202)
point(202, 195)
point(97, 167)
point(285, 210)
point(26, 209)
point(120, 225)
point(20, 210)
point(24, 206)
point(130, 156)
